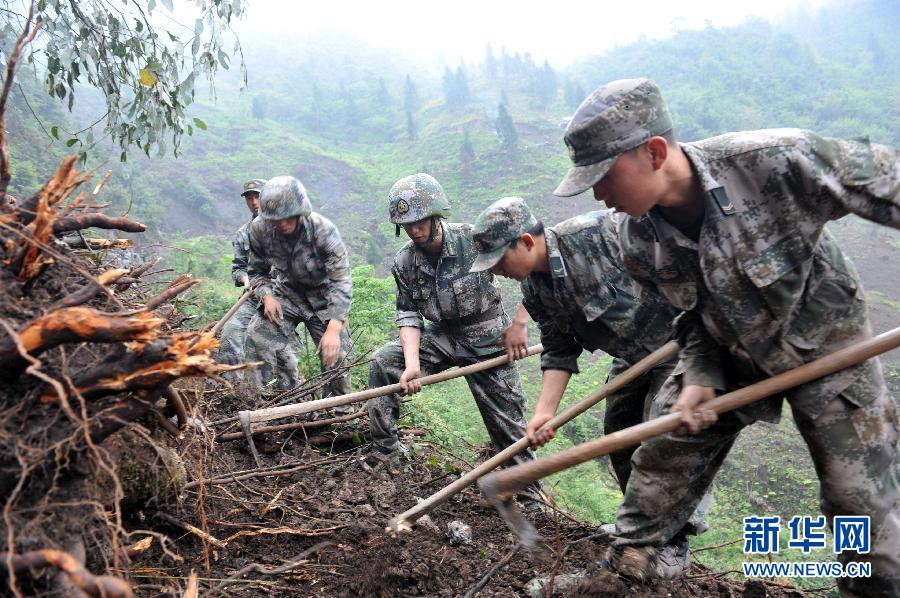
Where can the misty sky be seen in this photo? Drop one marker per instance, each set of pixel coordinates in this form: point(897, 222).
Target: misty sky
point(557, 30)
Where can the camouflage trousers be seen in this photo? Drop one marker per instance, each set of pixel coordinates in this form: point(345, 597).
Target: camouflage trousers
point(265, 339)
point(231, 347)
point(497, 392)
point(627, 408)
point(853, 448)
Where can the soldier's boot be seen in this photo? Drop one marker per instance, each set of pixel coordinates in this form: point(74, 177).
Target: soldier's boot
point(607, 529)
point(380, 460)
point(645, 563)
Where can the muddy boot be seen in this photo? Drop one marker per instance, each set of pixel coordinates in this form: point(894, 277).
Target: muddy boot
point(673, 561)
point(606, 530)
point(644, 563)
point(378, 460)
point(529, 503)
point(633, 562)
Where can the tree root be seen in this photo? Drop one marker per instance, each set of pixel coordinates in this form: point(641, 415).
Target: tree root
point(92, 585)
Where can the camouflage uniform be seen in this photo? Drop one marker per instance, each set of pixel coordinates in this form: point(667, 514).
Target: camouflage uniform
point(308, 273)
point(768, 289)
point(465, 318)
point(231, 343)
point(586, 301)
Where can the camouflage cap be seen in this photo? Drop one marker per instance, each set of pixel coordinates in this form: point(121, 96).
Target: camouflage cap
point(500, 224)
point(253, 186)
point(615, 118)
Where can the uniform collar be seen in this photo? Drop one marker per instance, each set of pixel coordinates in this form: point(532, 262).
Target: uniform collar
point(718, 204)
point(554, 257)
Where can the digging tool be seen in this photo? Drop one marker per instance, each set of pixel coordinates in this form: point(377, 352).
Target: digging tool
point(264, 415)
point(245, 426)
point(237, 305)
point(404, 521)
point(499, 487)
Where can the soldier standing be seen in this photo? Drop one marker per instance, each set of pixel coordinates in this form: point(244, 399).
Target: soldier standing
point(300, 272)
point(465, 318)
point(231, 348)
point(732, 230)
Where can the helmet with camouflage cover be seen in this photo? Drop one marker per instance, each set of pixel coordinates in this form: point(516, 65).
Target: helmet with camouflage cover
point(253, 186)
point(417, 197)
point(283, 197)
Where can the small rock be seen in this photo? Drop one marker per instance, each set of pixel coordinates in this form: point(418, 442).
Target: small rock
point(754, 588)
point(562, 584)
point(459, 533)
point(428, 522)
point(366, 510)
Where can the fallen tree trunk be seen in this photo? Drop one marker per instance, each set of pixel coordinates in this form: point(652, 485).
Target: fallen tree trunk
point(76, 324)
point(82, 221)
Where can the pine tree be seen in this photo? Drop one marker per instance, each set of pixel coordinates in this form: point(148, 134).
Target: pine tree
point(382, 97)
point(506, 133)
point(462, 86)
point(411, 131)
point(466, 155)
point(259, 108)
point(410, 96)
point(449, 86)
point(490, 63)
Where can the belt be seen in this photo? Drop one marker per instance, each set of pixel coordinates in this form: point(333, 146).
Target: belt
point(491, 314)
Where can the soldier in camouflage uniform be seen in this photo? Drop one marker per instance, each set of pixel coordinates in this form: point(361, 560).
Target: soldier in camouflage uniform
point(231, 343)
point(300, 272)
point(732, 230)
point(465, 318)
point(577, 291)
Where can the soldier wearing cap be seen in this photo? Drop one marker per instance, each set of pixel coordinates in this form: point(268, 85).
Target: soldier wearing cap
point(576, 289)
point(300, 272)
point(465, 318)
point(732, 230)
point(231, 343)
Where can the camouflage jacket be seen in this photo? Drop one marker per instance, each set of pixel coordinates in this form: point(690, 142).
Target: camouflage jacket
point(466, 305)
point(310, 268)
point(240, 245)
point(767, 286)
point(588, 301)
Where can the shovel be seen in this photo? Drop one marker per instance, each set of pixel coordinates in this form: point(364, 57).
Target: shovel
point(499, 487)
point(264, 415)
point(404, 521)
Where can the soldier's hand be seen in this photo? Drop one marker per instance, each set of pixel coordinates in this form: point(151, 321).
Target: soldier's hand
point(409, 380)
point(515, 339)
point(244, 280)
point(694, 416)
point(330, 346)
point(537, 437)
point(272, 309)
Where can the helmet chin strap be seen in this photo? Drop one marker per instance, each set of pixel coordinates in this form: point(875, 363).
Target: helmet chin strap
point(433, 233)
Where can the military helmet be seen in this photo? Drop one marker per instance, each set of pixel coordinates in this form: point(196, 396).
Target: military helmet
point(415, 198)
point(253, 186)
point(283, 197)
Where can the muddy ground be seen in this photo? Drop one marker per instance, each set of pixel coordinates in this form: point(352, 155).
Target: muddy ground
point(331, 518)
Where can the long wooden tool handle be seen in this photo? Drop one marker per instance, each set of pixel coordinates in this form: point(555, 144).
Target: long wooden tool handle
point(404, 521)
point(264, 415)
point(509, 481)
point(241, 300)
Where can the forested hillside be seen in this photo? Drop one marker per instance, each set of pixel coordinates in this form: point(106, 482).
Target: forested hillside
point(349, 121)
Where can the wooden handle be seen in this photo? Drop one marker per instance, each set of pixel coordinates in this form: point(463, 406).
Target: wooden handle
point(241, 300)
point(511, 480)
point(404, 521)
point(264, 415)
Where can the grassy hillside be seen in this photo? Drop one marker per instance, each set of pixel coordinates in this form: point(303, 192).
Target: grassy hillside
point(337, 119)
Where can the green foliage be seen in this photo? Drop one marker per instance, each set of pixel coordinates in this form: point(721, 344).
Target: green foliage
point(207, 258)
point(141, 69)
